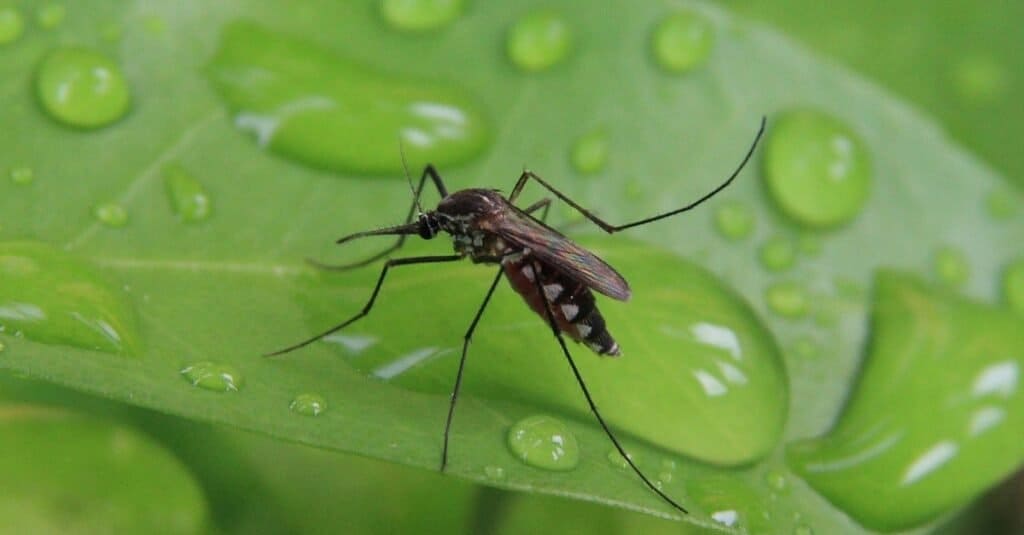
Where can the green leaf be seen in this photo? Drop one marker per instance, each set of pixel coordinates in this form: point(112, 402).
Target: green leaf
point(233, 286)
point(65, 473)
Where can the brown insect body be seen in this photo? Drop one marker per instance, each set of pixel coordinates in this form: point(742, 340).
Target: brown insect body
point(487, 228)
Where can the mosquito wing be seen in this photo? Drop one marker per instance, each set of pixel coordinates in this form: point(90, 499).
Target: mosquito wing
point(554, 249)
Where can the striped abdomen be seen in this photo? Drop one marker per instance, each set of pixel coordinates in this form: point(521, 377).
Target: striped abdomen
point(572, 303)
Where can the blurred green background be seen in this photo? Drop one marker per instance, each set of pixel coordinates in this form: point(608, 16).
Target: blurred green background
point(90, 465)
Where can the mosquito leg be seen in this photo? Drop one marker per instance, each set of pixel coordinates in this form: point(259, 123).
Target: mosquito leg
point(543, 205)
point(586, 393)
point(373, 296)
point(609, 228)
point(462, 363)
point(428, 171)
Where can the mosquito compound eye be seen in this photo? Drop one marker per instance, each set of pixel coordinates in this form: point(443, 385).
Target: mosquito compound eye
point(428, 227)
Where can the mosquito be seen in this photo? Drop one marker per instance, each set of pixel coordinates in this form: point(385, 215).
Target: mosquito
point(553, 275)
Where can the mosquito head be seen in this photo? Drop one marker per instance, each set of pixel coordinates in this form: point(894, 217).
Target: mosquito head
point(428, 225)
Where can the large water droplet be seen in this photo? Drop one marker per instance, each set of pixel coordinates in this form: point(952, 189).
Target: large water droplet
point(682, 41)
point(590, 152)
point(778, 253)
point(418, 15)
point(213, 376)
point(788, 299)
point(11, 24)
point(308, 404)
point(544, 442)
point(187, 196)
point(22, 175)
point(1013, 285)
point(306, 103)
point(539, 41)
point(111, 214)
point(50, 16)
point(734, 220)
point(82, 88)
point(52, 297)
point(816, 168)
point(951, 267)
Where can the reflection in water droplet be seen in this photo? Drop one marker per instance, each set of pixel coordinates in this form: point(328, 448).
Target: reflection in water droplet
point(308, 404)
point(539, 41)
point(682, 41)
point(1013, 285)
point(187, 196)
point(494, 473)
point(816, 168)
point(82, 88)
point(999, 379)
point(406, 362)
point(726, 517)
point(50, 16)
point(11, 24)
point(951, 267)
point(309, 104)
point(617, 460)
point(984, 419)
point(417, 15)
point(111, 214)
point(213, 376)
point(734, 220)
point(22, 175)
point(929, 461)
point(787, 299)
point(590, 152)
point(778, 253)
point(544, 442)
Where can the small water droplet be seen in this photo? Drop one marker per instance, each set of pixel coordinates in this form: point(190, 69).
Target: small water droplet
point(544, 442)
point(187, 196)
point(809, 244)
point(50, 16)
point(951, 267)
point(590, 152)
point(665, 477)
point(617, 460)
point(803, 530)
point(308, 404)
point(82, 88)
point(682, 41)
point(1013, 285)
point(22, 175)
point(213, 376)
point(1001, 205)
point(778, 253)
point(776, 480)
point(538, 41)
point(787, 299)
point(154, 25)
point(419, 15)
point(494, 473)
point(668, 465)
point(734, 220)
point(11, 24)
point(111, 214)
point(816, 168)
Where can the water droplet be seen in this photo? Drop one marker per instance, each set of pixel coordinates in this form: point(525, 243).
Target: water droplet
point(1013, 285)
point(1001, 204)
point(52, 297)
point(668, 465)
point(22, 175)
point(187, 196)
point(50, 16)
point(734, 220)
point(111, 214)
point(682, 41)
point(308, 404)
point(494, 473)
point(803, 530)
point(816, 168)
point(776, 480)
point(590, 152)
point(308, 104)
point(82, 88)
point(665, 477)
point(951, 266)
point(617, 460)
point(539, 41)
point(213, 376)
point(419, 15)
point(11, 24)
point(787, 299)
point(809, 244)
point(778, 253)
point(544, 442)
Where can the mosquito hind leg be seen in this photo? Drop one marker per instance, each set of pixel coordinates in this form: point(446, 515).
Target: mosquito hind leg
point(373, 297)
point(428, 171)
point(543, 205)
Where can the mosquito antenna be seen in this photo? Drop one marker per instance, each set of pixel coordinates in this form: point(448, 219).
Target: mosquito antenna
point(408, 178)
